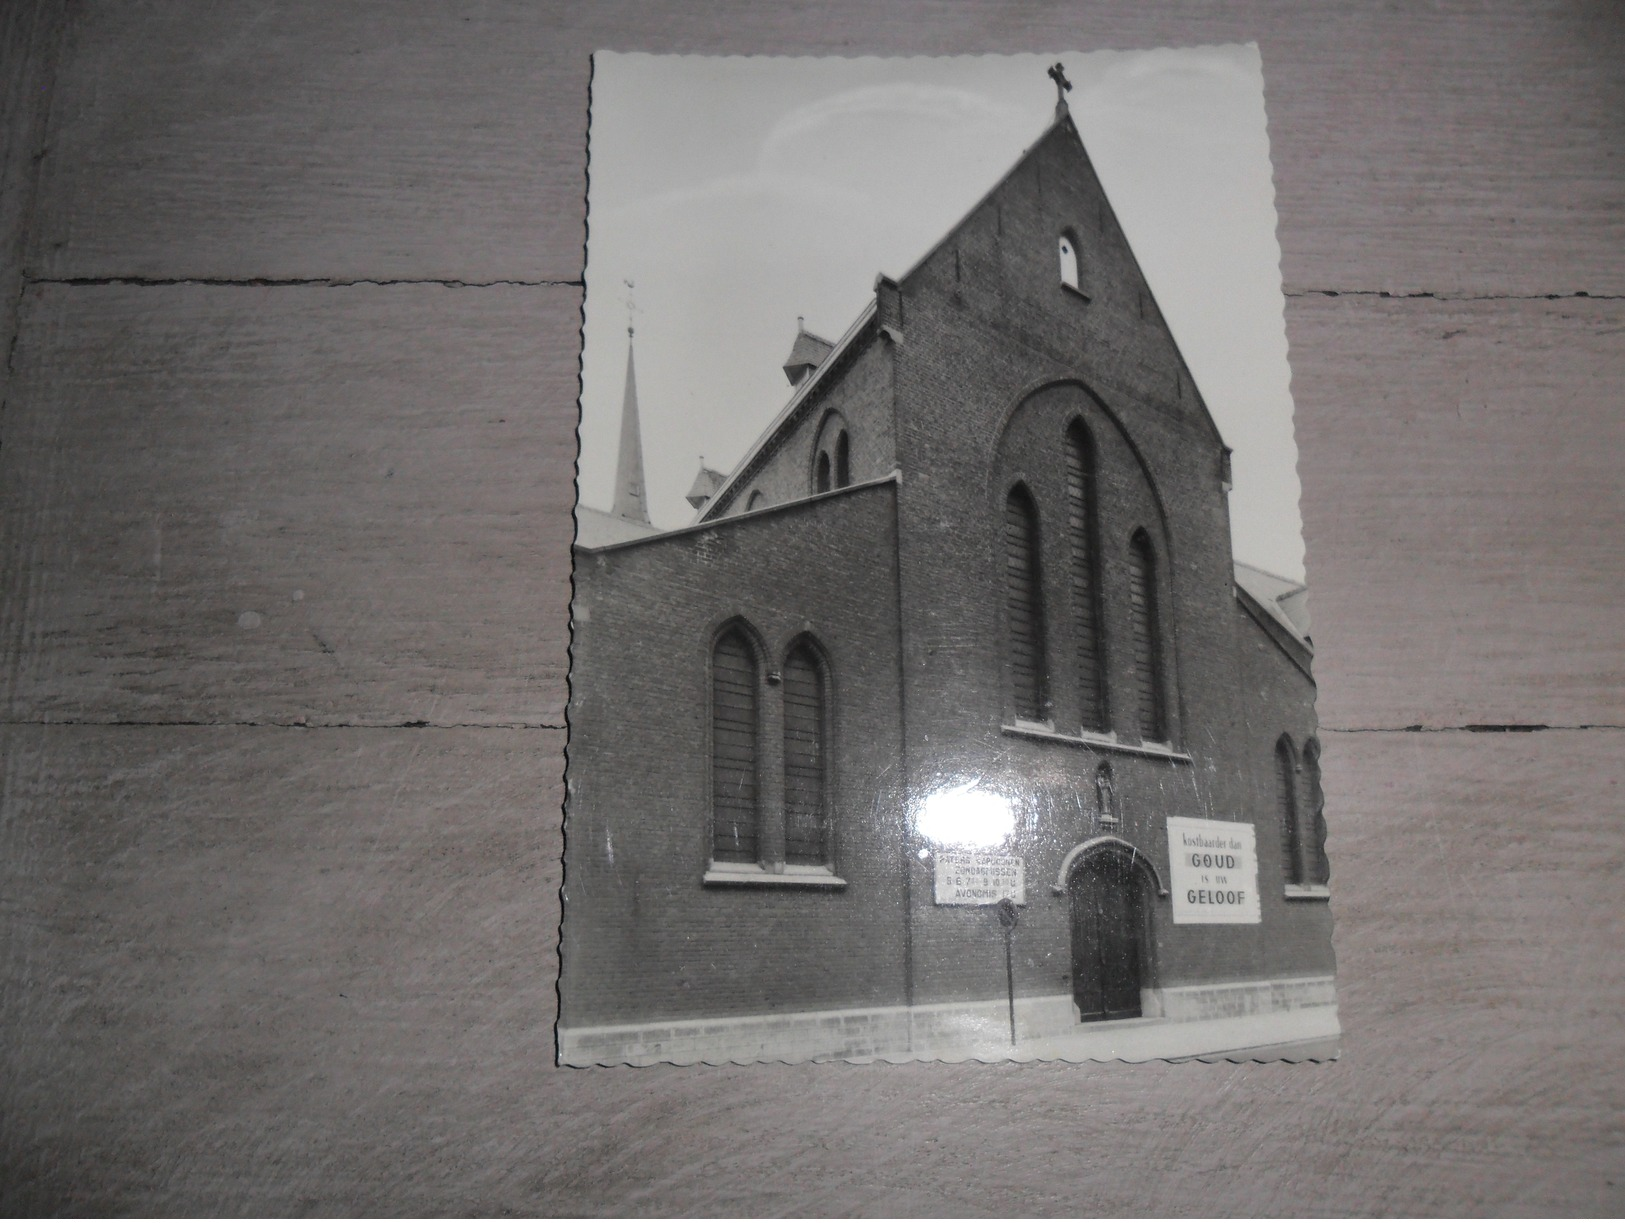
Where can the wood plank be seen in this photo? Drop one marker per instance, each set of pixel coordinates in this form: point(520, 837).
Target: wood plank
point(375, 140)
point(31, 33)
point(1457, 148)
point(288, 971)
point(249, 504)
point(1414, 147)
point(1461, 505)
point(241, 959)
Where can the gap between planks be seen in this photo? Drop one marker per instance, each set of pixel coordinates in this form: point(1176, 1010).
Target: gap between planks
point(325, 282)
point(1470, 728)
point(578, 282)
point(224, 724)
point(1431, 295)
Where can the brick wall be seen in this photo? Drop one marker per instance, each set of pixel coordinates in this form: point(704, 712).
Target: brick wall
point(996, 358)
point(861, 391)
point(1299, 932)
point(643, 936)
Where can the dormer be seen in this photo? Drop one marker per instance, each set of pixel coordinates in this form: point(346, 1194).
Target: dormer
point(705, 486)
point(806, 354)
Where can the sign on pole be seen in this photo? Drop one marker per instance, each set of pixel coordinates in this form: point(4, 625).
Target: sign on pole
point(1213, 872)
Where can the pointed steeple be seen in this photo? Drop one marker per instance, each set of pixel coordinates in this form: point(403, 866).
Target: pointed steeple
point(630, 500)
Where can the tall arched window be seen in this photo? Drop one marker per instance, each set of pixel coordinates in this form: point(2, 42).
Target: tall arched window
point(1286, 811)
point(1069, 261)
point(821, 474)
point(1024, 604)
point(1083, 527)
point(1320, 869)
point(806, 736)
point(1150, 696)
point(843, 460)
point(734, 755)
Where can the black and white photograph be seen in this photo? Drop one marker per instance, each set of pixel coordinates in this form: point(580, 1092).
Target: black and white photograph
point(942, 680)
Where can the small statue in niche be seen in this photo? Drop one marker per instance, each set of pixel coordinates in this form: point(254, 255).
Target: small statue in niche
point(1105, 797)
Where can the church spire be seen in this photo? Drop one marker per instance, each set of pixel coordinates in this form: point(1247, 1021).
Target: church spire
point(630, 501)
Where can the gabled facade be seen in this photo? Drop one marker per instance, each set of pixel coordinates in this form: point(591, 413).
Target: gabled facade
point(972, 587)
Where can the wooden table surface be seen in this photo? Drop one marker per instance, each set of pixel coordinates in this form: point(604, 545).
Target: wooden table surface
point(289, 294)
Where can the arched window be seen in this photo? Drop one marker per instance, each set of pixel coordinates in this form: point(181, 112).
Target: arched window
point(1024, 604)
point(734, 755)
point(1069, 261)
point(1286, 811)
point(1083, 527)
point(831, 453)
point(755, 501)
point(1150, 698)
point(806, 736)
point(1320, 869)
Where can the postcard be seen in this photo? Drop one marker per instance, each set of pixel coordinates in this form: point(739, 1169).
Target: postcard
point(941, 677)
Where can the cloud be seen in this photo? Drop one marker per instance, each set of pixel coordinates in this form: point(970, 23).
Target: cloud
point(957, 110)
point(758, 185)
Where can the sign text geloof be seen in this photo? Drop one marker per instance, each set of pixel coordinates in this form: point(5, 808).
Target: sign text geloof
point(1213, 872)
point(980, 879)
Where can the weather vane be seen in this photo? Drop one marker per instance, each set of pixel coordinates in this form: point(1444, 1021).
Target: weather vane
point(631, 308)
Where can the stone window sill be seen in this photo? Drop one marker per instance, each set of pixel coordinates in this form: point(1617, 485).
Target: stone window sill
point(1105, 743)
point(749, 874)
point(1307, 891)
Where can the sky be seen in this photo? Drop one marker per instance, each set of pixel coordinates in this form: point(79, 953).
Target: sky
point(740, 193)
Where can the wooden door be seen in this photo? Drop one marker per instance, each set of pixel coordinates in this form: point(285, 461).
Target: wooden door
point(1106, 936)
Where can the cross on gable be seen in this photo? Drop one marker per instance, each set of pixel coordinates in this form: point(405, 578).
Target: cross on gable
point(1062, 85)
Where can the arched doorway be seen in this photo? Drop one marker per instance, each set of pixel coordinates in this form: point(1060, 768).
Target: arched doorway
point(1108, 937)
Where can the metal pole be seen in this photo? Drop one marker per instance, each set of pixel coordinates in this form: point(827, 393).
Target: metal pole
point(1010, 981)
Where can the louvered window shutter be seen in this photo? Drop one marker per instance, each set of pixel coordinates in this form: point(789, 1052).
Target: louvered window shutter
point(1024, 605)
point(1286, 807)
point(805, 740)
point(1321, 868)
point(1147, 647)
point(733, 751)
point(1082, 526)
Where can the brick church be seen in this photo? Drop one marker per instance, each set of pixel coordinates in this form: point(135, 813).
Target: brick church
point(950, 727)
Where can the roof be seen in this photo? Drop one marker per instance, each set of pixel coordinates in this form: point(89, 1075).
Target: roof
point(808, 352)
point(704, 487)
point(830, 358)
point(1286, 601)
point(595, 528)
point(764, 442)
point(1063, 123)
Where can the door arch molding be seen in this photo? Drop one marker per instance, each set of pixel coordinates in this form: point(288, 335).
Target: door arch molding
point(1115, 846)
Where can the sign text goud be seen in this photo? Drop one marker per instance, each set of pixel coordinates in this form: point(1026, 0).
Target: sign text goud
point(1213, 872)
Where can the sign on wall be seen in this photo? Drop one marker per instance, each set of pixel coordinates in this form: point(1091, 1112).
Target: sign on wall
point(1213, 872)
point(980, 879)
